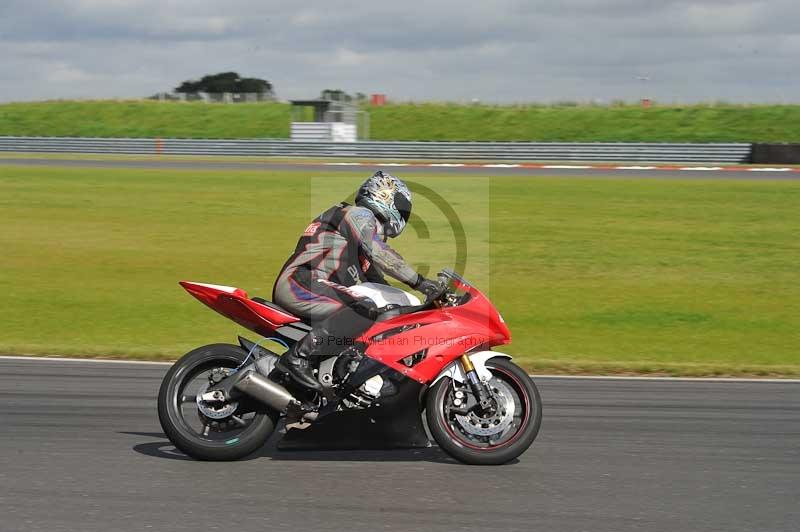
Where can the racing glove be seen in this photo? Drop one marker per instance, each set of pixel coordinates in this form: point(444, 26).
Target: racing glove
point(431, 289)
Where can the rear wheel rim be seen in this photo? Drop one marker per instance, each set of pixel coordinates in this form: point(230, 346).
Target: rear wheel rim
point(228, 426)
point(521, 417)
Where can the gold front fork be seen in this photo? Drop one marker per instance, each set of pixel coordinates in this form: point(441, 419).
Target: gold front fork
point(466, 363)
point(476, 385)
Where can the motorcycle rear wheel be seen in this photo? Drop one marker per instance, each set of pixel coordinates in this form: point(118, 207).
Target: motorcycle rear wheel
point(232, 436)
point(461, 436)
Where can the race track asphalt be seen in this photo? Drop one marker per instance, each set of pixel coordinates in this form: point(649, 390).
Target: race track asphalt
point(697, 171)
point(81, 449)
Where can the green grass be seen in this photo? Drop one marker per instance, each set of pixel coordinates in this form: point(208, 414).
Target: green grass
point(679, 277)
point(144, 119)
point(697, 123)
point(632, 123)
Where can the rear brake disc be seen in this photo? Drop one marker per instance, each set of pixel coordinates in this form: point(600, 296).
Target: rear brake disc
point(214, 410)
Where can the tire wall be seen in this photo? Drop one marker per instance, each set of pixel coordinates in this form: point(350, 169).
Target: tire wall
point(776, 154)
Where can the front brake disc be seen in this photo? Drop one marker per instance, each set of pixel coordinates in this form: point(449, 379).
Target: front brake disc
point(496, 423)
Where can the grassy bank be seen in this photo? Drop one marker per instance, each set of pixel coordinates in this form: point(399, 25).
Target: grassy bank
point(144, 119)
point(698, 123)
point(692, 277)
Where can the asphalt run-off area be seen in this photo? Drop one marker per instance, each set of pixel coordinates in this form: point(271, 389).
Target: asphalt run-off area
point(81, 449)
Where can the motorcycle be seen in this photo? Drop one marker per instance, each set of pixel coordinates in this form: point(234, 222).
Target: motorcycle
point(222, 401)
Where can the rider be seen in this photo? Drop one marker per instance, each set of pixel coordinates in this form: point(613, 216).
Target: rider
point(342, 247)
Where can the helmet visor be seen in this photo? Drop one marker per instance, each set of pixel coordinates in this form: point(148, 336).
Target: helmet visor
point(402, 204)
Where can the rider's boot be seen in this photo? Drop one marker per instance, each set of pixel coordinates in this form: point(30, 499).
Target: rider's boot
point(347, 323)
point(296, 363)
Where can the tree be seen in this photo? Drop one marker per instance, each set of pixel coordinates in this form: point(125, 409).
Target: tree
point(226, 82)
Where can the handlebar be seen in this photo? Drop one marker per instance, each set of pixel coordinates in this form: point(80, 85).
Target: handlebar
point(440, 294)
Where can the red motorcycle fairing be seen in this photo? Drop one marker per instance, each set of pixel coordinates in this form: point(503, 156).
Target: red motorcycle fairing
point(233, 303)
point(418, 345)
point(421, 344)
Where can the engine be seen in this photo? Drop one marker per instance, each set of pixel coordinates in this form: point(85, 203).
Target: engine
point(352, 366)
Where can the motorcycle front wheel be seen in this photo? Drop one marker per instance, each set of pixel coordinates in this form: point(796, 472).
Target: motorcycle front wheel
point(486, 439)
point(211, 431)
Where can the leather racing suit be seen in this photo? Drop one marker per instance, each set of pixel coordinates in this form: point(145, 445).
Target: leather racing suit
point(340, 248)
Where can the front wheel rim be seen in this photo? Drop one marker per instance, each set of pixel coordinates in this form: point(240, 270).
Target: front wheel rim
point(455, 428)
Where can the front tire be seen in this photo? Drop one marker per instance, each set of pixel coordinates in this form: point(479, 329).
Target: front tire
point(469, 438)
point(230, 432)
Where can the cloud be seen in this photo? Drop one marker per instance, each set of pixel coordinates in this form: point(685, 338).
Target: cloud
point(504, 51)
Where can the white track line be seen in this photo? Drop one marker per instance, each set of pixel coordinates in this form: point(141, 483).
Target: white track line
point(570, 166)
point(67, 359)
point(665, 379)
point(538, 376)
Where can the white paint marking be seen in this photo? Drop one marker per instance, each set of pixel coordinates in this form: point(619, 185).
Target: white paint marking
point(665, 379)
point(67, 359)
point(221, 288)
point(769, 169)
point(449, 165)
point(343, 164)
point(701, 168)
point(500, 165)
point(394, 164)
point(538, 376)
point(567, 166)
point(635, 167)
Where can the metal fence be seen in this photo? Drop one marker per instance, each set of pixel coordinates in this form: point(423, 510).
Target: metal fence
point(489, 151)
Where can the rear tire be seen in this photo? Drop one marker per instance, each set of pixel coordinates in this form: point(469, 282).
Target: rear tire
point(174, 420)
point(445, 429)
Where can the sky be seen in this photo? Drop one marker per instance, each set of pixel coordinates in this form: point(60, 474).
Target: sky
point(498, 51)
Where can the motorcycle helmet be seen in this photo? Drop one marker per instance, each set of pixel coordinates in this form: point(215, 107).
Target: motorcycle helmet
point(389, 199)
